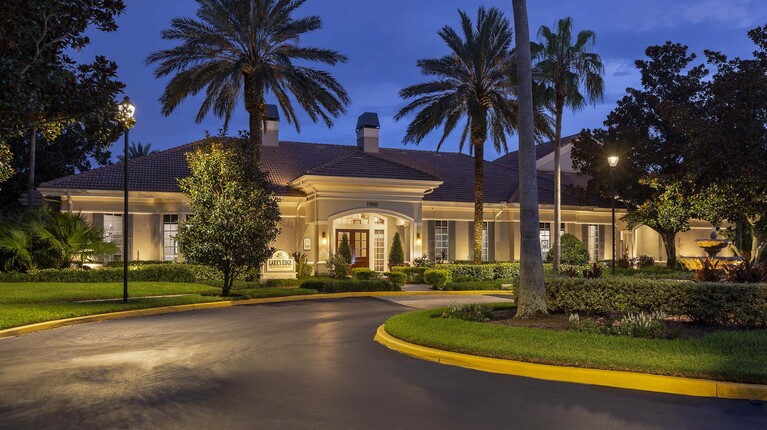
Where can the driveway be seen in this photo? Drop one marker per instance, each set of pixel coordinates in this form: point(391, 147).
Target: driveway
point(300, 365)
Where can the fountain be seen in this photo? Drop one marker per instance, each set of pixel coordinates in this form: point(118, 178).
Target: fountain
point(712, 246)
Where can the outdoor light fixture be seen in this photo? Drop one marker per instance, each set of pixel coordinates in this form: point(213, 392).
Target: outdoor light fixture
point(418, 240)
point(324, 239)
point(613, 161)
point(127, 110)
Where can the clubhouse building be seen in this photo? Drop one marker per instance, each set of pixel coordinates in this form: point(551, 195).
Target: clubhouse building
point(368, 193)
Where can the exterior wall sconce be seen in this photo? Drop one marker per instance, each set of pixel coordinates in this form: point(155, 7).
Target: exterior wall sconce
point(324, 239)
point(418, 240)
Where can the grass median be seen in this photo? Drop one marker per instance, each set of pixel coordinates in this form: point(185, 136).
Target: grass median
point(29, 303)
point(727, 355)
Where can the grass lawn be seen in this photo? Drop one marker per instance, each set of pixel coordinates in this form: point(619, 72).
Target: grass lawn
point(739, 356)
point(28, 303)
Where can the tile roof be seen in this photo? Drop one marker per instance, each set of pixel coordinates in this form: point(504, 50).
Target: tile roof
point(159, 171)
point(541, 150)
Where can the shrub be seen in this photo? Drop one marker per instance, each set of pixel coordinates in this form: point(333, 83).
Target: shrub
point(480, 271)
point(396, 254)
point(709, 303)
point(149, 273)
point(337, 265)
point(470, 286)
point(745, 272)
point(363, 273)
point(572, 251)
point(344, 249)
point(348, 285)
point(472, 312)
point(466, 279)
point(423, 261)
point(505, 270)
point(303, 268)
point(280, 283)
point(645, 261)
point(709, 272)
point(397, 278)
point(594, 272)
point(414, 274)
point(437, 278)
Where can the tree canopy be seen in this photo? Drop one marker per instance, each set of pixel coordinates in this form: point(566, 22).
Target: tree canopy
point(236, 216)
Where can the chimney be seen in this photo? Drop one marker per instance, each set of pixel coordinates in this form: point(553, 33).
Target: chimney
point(367, 132)
point(271, 132)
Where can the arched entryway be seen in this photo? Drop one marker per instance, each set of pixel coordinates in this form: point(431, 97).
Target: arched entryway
point(370, 234)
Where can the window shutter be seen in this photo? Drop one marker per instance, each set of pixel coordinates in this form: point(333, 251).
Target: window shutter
point(431, 244)
point(471, 240)
point(451, 240)
point(585, 233)
point(602, 241)
point(131, 234)
point(98, 220)
point(491, 241)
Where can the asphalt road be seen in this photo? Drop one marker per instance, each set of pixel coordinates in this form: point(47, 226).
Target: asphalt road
point(301, 365)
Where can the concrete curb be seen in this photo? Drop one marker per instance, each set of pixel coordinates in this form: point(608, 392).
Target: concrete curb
point(579, 375)
point(47, 325)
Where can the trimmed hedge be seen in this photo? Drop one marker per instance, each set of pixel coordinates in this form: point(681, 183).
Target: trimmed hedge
point(348, 285)
point(489, 271)
point(437, 278)
point(475, 285)
point(148, 273)
point(397, 278)
point(414, 274)
point(744, 305)
point(363, 273)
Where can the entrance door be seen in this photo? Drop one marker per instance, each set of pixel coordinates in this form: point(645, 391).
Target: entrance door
point(358, 240)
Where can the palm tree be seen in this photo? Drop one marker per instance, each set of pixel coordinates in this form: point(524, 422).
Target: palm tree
point(246, 49)
point(137, 150)
point(471, 83)
point(565, 69)
point(531, 295)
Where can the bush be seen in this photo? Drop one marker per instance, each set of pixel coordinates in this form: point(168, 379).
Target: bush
point(480, 271)
point(471, 286)
point(437, 278)
point(466, 279)
point(348, 285)
point(396, 254)
point(505, 270)
point(280, 283)
point(344, 249)
point(573, 251)
point(337, 266)
point(149, 273)
point(414, 274)
point(363, 273)
point(423, 261)
point(397, 278)
point(743, 305)
point(303, 268)
point(645, 261)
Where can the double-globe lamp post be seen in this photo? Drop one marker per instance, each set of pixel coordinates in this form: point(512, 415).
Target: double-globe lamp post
point(613, 161)
point(126, 110)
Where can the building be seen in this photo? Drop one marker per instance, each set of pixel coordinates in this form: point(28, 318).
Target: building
point(369, 193)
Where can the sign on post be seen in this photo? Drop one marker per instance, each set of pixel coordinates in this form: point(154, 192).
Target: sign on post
point(279, 266)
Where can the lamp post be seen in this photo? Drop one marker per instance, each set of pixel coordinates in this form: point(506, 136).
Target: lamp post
point(126, 110)
point(613, 161)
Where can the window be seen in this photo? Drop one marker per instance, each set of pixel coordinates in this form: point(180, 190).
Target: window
point(113, 233)
point(169, 231)
point(593, 242)
point(485, 243)
point(378, 250)
point(545, 235)
point(440, 240)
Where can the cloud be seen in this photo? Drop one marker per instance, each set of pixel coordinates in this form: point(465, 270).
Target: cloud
point(658, 14)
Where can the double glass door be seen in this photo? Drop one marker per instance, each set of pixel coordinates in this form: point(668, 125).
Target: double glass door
point(360, 245)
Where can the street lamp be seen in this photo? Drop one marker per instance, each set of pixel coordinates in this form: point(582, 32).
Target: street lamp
point(613, 161)
point(126, 111)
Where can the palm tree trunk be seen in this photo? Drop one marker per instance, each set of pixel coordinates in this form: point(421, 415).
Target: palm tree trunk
point(254, 104)
point(558, 184)
point(479, 186)
point(531, 297)
point(31, 166)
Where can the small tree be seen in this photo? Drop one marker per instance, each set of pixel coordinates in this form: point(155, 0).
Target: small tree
point(396, 255)
point(235, 216)
point(344, 249)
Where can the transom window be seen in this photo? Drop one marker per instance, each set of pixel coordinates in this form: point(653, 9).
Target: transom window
point(441, 245)
point(362, 219)
point(169, 231)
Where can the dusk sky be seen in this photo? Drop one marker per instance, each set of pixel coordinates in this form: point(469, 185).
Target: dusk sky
point(384, 39)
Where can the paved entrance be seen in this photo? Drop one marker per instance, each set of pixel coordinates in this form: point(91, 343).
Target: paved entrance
point(300, 365)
